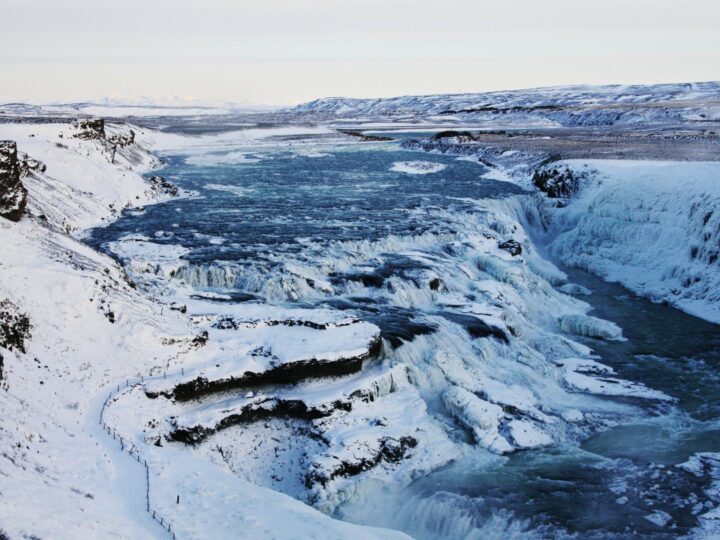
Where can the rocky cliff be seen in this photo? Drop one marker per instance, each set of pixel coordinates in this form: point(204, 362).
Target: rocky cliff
point(13, 195)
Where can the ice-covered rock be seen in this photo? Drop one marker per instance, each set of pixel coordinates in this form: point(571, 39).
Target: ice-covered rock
point(652, 226)
point(481, 417)
point(575, 289)
point(585, 325)
point(587, 375)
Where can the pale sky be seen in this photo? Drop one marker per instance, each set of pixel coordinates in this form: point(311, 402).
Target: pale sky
point(282, 52)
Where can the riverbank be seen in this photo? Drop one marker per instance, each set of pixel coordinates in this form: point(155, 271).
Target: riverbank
point(90, 330)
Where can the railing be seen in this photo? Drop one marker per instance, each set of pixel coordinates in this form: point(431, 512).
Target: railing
point(134, 452)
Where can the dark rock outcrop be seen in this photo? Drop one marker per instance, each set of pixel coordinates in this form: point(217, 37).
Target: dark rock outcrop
point(254, 412)
point(122, 139)
point(289, 373)
point(27, 165)
point(513, 247)
point(556, 182)
point(13, 195)
point(90, 129)
point(390, 450)
point(160, 185)
point(365, 137)
point(14, 329)
point(461, 136)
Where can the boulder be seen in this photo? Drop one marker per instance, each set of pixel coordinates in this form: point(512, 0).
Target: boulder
point(162, 186)
point(513, 247)
point(13, 195)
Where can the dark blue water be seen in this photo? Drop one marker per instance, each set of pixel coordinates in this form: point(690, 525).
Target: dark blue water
point(279, 205)
point(607, 487)
point(287, 200)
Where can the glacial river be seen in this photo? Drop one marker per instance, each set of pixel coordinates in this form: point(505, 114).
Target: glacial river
point(263, 218)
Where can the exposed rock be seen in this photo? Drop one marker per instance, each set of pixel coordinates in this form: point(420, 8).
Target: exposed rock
point(122, 139)
point(28, 165)
point(253, 412)
point(461, 136)
point(513, 247)
point(201, 339)
point(557, 182)
point(90, 129)
point(14, 329)
point(13, 195)
point(365, 137)
point(390, 450)
point(159, 184)
point(435, 284)
point(288, 373)
point(182, 308)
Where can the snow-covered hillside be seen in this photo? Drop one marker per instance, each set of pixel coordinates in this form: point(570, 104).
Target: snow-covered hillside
point(564, 106)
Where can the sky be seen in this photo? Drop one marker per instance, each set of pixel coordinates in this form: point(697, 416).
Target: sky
point(273, 52)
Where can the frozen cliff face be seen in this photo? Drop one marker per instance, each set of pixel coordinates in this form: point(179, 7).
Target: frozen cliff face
point(652, 226)
point(13, 195)
point(91, 128)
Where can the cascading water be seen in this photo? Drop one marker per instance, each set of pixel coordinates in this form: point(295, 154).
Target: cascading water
point(344, 227)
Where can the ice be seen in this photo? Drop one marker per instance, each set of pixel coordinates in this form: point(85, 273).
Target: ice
point(652, 226)
point(591, 376)
point(659, 518)
point(527, 435)
point(481, 417)
point(487, 369)
point(584, 325)
point(574, 289)
point(417, 167)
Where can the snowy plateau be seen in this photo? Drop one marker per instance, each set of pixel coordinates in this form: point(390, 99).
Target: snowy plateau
point(306, 368)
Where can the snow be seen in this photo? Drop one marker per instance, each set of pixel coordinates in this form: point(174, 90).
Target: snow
point(543, 107)
point(92, 331)
point(82, 186)
point(574, 289)
point(400, 416)
point(584, 325)
point(590, 376)
point(159, 259)
point(651, 226)
point(480, 416)
point(417, 167)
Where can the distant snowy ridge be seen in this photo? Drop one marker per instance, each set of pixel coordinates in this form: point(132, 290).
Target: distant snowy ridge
point(563, 105)
point(551, 97)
